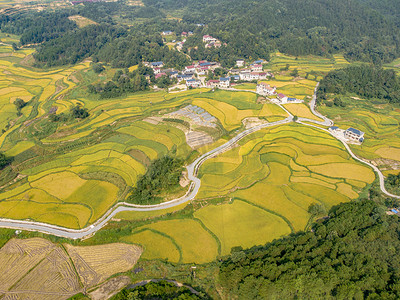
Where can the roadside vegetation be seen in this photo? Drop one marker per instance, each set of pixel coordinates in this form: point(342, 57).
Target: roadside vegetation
point(161, 177)
point(158, 290)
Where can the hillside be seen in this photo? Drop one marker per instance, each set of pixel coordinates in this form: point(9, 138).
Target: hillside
point(362, 30)
point(350, 255)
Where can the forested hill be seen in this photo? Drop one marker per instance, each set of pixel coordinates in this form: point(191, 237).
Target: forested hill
point(361, 29)
point(301, 27)
point(364, 80)
point(352, 255)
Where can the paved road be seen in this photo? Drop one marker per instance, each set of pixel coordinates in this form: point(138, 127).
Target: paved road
point(193, 188)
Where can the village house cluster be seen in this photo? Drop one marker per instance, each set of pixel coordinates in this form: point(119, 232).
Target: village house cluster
point(194, 75)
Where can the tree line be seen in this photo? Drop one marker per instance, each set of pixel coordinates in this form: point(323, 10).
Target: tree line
point(360, 29)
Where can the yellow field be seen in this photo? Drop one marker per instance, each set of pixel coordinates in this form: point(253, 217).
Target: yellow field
point(301, 110)
point(155, 245)
point(289, 168)
point(241, 224)
point(196, 244)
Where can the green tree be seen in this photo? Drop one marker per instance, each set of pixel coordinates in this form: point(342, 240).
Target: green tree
point(3, 160)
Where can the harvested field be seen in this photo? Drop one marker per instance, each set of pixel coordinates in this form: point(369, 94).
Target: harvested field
point(38, 269)
point(94, 264)
point(109, 288)
point(196, 139)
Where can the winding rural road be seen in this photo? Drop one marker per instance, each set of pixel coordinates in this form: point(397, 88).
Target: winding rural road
point(193, 188)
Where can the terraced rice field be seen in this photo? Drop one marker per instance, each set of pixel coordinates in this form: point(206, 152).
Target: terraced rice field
point(284, 170)
point(231, 108)
point(272, 178)
point(267, 182)
point(380, 122)
point(193, 242)
point(310, 69)
point(313, 65)
point(34, 266)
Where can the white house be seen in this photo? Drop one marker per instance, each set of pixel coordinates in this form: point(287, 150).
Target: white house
point(213, 83)
point(254, 75)
point(240, 62)
point(354, 134)
point(167, 32)
point(157, 64)
point(193, 83)
point(209, 39)
point(190, 69)
point(282, 98)
point(256, 68)
point(265, 89)
point(224, 82)
point(245, 75)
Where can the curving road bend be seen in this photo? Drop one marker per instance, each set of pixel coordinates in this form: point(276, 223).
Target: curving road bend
point(193, 188)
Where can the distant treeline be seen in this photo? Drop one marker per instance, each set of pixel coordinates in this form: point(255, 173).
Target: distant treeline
point(361, 29)
point(351, 255)
point(37, 27)
point(116, 45)
point(366, 81)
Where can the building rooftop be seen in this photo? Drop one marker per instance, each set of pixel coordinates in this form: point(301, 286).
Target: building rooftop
point(355, 131)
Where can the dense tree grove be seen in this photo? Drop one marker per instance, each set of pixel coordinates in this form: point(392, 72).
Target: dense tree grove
point(157, 290)
point(79, 112)
point(351, 255)
point(124, 82)
point(37, 27)
point(4, 160)
point(119, 46)
point(393, 183)
point(163, 174)
point(365, 80)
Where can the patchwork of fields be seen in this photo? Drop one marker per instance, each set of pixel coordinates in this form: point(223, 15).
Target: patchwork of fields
point(71, 173)
point(271, 179)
